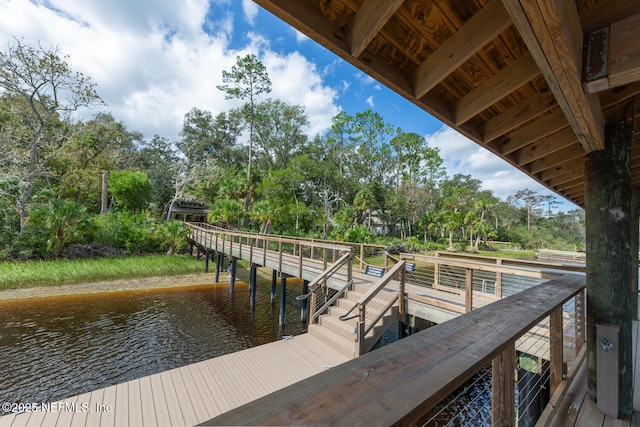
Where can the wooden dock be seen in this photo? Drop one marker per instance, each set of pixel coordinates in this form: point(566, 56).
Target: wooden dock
point(191, 394)
point(199, 392)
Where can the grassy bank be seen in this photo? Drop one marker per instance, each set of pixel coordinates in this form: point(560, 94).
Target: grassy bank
point(57, 272)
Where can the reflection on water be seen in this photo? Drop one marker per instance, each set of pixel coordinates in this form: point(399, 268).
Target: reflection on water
point(53, 348)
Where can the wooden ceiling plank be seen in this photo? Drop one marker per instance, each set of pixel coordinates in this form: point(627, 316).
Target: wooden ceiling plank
point(505, 81)
point(567, 186)
point(562, 180)
point(574, 168)
point(481, 29)
point(545, 146)
point(552, 31)
point(541, 128)
point(604, 12)
point(368, 21)
point(568, 153)
point(522, 112)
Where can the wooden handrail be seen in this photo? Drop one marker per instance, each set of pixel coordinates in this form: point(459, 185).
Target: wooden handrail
point(402, 381)
point(380, 284)
point(329, 244)
point(326, 273)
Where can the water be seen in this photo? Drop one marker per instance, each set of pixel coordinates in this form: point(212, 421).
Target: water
point(57, 347)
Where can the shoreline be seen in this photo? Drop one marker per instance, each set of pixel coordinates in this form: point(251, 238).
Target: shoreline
point(109, 286)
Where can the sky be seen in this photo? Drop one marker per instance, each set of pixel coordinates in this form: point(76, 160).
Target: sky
point(153, 61)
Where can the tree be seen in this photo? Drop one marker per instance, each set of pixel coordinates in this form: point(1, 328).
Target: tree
point(44, 88)
point(531, 201)
point(131, 189)
point(64, 220)
point(247, 79)
point(279, 132)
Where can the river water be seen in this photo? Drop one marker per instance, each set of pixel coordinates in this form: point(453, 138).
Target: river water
point(52, 348)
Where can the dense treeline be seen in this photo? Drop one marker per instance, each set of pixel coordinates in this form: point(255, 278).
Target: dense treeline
point(254, 166)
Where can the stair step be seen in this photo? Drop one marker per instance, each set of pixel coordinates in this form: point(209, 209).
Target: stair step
point(335, 341)
point(343, 328)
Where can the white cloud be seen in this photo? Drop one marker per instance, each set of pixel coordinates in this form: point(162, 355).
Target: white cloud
point(152, 63)
point(463, 156)
point(250, 10)
point(369, 102)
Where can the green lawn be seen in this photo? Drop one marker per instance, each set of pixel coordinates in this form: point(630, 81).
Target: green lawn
point(25, 274)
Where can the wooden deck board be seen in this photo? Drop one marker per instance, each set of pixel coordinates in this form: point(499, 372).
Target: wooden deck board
point(171, 399)
point(96, 398)
point(107, 418)
point(121, 408)
point(146, 402)
point(183, 398)
point(135, 404)
point(159, 401)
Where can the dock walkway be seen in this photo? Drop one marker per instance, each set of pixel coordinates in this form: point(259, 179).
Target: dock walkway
point(191, 394)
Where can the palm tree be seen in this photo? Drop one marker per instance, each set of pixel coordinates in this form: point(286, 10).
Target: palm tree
point(226, 211)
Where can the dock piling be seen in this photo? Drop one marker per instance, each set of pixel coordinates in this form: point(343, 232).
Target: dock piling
point(283, 298)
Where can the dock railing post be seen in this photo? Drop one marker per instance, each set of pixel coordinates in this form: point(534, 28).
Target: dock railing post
point(362, 257)
point(556, 347)
point(403, 278)
point(300, 254)
point(360, 349)
point(499, 280)
point(468, 286)
point(503, 398)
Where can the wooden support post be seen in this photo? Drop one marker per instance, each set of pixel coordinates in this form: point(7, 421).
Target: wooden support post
point(198, 251)
point(612, 295)
point(503, 383)
point(361, 257)
point(324, 259)
point(498, 281)
point(403, 278)
point(218, 265)
point(206, 260)
point(304, 309)
point(300, 261)
point(360, 348)
point(436, 274)
point(232, 281)
point(274, 279)
point(264, 253)
point(283, 299)
point(468, 287)
point(556, 343)
point(252, 285)
point(312, 305)
point(280, 256)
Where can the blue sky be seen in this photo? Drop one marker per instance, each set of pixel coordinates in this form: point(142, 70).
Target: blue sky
point(153, 61)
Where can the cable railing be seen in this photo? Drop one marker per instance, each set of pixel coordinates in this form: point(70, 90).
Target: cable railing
point(322, 296)
point(313, 248)
point(461, 372)
point(302, 258)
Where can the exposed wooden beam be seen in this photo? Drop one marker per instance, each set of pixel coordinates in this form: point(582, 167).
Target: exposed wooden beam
point(544, 126)
point(522, 112)
point(552, 31)
point(368, 21)
point(612, 56)
point(481, 29)
point(501, 84)
point(545, 146)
